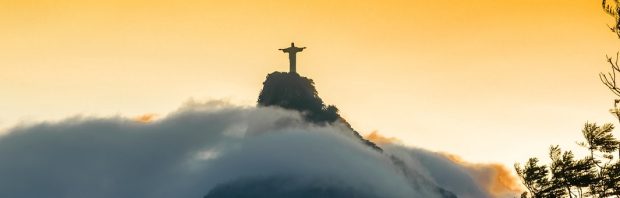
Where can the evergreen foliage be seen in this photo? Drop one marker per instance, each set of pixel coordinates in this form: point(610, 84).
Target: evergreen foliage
point(595, 175)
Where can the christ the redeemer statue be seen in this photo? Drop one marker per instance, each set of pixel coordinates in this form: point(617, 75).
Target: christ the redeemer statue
point(292, 58)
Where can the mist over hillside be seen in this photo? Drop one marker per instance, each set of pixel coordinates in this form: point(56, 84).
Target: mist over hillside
point(290, 145)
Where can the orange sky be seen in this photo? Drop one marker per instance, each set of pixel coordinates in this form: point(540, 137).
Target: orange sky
point(474, 78)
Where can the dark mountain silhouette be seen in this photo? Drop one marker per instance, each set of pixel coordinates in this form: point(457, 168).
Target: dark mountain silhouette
point(295, 92)
point(286, 187)
point(280, 187)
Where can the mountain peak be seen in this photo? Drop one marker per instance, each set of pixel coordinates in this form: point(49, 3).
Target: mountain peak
point(295, 92)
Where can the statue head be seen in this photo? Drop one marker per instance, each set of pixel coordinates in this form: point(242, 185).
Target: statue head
point(292, 44)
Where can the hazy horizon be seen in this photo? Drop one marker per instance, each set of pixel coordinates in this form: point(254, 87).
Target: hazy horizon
point(475, 79)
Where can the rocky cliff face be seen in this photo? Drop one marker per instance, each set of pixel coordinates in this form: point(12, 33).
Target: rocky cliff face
point(295, 92)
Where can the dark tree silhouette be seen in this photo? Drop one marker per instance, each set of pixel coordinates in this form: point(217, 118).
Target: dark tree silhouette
point(595, 175)
point(536, 179)
point(612, 9)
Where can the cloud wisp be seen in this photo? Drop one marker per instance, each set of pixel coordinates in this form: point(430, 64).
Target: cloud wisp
point(201, 147)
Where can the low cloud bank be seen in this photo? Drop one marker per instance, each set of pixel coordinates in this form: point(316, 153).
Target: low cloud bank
point(202, 147)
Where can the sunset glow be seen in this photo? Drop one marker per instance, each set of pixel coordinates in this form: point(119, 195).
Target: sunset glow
point(470, 78)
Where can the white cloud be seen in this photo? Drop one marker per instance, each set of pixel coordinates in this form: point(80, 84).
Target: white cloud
point(200, 146)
